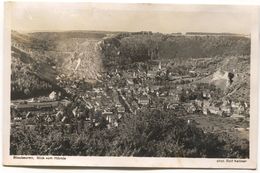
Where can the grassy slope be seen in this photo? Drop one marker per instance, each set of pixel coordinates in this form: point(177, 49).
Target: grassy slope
point(238, 65)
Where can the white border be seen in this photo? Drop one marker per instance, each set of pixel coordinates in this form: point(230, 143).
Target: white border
point(150, 162)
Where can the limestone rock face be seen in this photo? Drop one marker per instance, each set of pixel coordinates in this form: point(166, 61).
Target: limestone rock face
point(222, 79)
point(53, 95)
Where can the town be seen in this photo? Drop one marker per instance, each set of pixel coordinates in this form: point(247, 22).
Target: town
point(122, 92)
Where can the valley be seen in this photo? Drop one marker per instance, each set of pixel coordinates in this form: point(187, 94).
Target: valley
point(118, 93)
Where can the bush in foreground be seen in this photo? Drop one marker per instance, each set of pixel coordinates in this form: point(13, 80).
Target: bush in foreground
point(146, 134)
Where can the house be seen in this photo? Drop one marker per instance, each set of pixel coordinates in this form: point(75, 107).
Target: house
point(241, 109)
point(119, 116)
point(189, 107)
point(206, 95)
point(174, 97)
point(237, 116)
point(28, 115)
point(238, 107)
point(17, 119)
point(151, 74)
point(135, 106)
point(193, 73)
point(108, 115)
point(205, 111)
point(30, 127)
point(173, 77)
point(121, 109)
point(235, 105)
point(179, 88)
point(199, 103)
point(172, 106)
point(144, 100)
point(111, 119)
point(214, 110)
point(88, 105)
point(115, 124)
point(240, 129)
point(153, 106)
point(163, 94)
point(53, 95)
point(74, 111)
point(154, 88)
point(246, 104)
point(130, 81)
point(59, 115)
point(226, 110)
point(64, 119)
point(226, 102)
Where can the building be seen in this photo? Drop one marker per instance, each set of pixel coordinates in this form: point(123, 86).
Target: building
point(172, 106)
point(174, 97)
point(129, 81)
point(154, 88)
point(151, 74)
point(189, 107)
point(173, 76)
point(237, 116)
point(30, 127)
point(144, 100)
point(121, 109)
point(205, 111)
point(214, 110)
point(198, 103)
point(206, 94)
point(226, 111)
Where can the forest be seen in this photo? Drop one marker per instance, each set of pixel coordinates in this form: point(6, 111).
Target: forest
point(146, 134)
point(132, 47)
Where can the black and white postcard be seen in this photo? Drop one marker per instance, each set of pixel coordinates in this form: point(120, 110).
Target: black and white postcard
point(131, 85)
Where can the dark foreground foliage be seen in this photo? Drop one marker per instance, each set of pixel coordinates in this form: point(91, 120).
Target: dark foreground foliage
point(147, 134)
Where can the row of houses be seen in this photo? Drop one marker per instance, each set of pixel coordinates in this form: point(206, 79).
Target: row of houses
point(234, 110)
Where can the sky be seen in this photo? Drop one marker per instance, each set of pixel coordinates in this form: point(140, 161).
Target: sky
point(129, 17)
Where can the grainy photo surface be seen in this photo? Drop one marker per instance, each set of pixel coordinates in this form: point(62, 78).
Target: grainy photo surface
point(145, 81)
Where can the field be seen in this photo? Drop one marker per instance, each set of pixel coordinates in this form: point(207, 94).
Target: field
point(217, 124)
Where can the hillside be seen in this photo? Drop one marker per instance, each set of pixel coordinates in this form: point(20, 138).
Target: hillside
point(239, 90)
point(238, 67)
point(85, 55)
point(29, 42)
point(79, 59)
point(28, 77)
point(43, 57)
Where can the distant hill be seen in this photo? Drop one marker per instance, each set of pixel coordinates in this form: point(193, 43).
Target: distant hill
point(29, 42)
point(144, 46)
